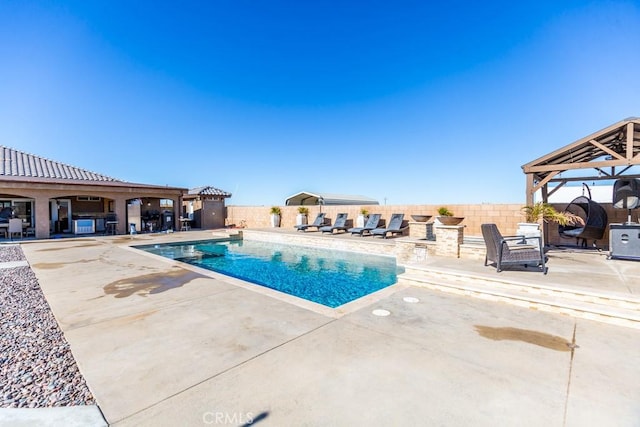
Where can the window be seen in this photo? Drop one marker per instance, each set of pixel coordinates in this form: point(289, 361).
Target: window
point(88, 199)
point(23, 209)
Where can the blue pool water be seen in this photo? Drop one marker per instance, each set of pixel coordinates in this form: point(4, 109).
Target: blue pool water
point(327, 277)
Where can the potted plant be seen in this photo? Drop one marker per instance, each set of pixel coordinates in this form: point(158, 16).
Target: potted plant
point(275, 216)
point(541, 211)
point(544, 211)
point(362, 217)
point(301, 218)
point(446, 217)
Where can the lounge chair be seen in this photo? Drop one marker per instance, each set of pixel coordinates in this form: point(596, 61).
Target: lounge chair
point(317, 223)
point(339, 225)
point(372, 222)
point(397, 225)
point(511, 250)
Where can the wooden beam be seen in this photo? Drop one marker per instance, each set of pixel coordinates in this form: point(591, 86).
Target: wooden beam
point(557, 187)
point(629, 141)
point(583, 165)
point(544, 181)
point(529, 189)
point(595, 178)
point(575, 145)
point(607, 149)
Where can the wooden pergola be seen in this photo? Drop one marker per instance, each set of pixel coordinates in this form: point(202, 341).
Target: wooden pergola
point(608, 154)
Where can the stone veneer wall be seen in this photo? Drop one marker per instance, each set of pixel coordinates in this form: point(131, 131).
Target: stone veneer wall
point(357, 244)
point(448, 240)
point(405, 250)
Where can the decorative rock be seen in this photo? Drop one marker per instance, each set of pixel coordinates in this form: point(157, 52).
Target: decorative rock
point(37, 368)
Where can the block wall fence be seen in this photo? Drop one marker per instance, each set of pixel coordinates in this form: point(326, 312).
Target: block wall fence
point(506, 216)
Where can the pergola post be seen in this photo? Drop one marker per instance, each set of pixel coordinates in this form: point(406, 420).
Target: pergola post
point(529, 193)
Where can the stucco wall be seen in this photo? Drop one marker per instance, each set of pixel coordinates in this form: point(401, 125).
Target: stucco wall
point(41, 194)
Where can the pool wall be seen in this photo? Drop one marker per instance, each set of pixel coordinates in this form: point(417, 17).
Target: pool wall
point(449, 242)
point(403, 251)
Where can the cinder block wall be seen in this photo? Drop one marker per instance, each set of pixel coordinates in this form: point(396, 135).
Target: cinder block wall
point(506, 216)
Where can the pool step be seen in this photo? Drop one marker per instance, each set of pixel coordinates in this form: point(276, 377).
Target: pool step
point(602, 307)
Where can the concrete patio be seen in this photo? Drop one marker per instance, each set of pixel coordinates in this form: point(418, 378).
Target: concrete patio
point(162, 343)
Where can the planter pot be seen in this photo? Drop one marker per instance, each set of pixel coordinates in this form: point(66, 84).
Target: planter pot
point(530, 229)
point(421, 218)
point(301, 219)
point(361, 220)
point(275, 220)
point(450, 220)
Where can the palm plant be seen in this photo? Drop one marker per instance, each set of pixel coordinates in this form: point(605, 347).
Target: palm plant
point(275, 210)
point(547, 213)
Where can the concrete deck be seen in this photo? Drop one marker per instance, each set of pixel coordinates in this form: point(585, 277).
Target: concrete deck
point(160, 343)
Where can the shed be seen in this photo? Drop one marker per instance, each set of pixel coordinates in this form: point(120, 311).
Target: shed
point(307, 198)
point(205, 207)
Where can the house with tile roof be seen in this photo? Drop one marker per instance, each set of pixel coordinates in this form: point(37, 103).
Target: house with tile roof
point(53, 198)
point(205, 207)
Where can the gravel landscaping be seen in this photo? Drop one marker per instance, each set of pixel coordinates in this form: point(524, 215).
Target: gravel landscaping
point(37, 368)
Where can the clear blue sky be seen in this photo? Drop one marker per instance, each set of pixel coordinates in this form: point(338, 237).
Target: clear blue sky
point(415, 102)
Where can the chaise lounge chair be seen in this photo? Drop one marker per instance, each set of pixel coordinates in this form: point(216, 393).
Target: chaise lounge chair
point(317, 223)
point(397, 225)
point(372, 222)
point(339, 225)
point(501, 252)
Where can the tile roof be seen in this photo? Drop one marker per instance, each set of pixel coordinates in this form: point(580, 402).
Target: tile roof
point(14, 163)
point(208, 191)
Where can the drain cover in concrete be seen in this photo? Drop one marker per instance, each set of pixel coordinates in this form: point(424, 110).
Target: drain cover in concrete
point(381, 312)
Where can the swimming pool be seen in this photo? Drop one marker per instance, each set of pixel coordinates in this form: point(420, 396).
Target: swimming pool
point(328, 277)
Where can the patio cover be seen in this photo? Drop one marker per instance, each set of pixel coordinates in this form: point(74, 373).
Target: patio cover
point(24, 175)
point(306, 198)
point(609, 154)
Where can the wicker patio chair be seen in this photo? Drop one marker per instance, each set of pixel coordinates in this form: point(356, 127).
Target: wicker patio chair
point(511, 250)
